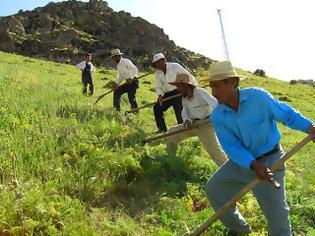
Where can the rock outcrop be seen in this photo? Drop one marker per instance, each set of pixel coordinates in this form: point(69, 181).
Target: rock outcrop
point(65, 31)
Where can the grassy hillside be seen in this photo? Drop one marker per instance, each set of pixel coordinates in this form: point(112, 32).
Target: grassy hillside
point(68, 168)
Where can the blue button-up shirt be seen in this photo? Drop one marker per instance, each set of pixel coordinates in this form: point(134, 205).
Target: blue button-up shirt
point(252, 130)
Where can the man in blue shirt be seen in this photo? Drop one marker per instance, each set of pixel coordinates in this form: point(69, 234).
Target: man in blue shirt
point(245, 123)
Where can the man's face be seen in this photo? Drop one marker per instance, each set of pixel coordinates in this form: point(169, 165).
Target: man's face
point(88, 58)
point(222, 90)
point(182, 89)
point(159, 65)
point(116, 58)
point(185, 90)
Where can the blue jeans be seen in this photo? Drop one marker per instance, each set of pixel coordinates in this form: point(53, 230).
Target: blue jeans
point(230, 178)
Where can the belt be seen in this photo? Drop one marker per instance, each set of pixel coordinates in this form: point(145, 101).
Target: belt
point(274, 150)
point(202, 119)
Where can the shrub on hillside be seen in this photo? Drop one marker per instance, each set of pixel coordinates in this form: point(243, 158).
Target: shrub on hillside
point(260, 72)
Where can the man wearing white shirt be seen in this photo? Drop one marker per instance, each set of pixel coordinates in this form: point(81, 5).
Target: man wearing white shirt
point(87, 69)
point(165, 73)
point(197, 106)
point(127, 72)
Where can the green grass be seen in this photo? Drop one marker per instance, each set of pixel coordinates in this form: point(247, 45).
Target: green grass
point(68, 168)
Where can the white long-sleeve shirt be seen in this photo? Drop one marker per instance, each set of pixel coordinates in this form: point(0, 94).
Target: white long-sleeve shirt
point(199, 105)
point(163, 80)
point(82, 65)
point(126, 70)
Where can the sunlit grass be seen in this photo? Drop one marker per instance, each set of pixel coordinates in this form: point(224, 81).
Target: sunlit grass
point(68, 168)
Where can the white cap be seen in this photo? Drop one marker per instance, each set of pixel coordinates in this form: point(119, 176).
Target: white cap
point(157, 57)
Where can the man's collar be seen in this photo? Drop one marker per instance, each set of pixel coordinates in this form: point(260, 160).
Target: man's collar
point(223, 107)
point(243, 95)
point(242, 98)
point(193, 93)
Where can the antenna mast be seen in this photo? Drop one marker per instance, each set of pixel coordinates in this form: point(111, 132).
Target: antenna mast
point(227, 57)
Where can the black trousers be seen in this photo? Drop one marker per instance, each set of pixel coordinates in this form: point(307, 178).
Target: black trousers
point(85, 82)
point(176, 103)
point(131, 90)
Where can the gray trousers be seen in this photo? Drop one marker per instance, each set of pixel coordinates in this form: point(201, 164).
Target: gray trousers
point(230, 178)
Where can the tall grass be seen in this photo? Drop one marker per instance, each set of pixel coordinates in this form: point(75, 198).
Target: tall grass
point(68, 168)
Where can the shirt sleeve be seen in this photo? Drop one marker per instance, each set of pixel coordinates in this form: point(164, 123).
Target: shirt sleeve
point(130, 69)
point(185, 114)
point(92, 68)
point(231, 144)
point(80, 65)
point(133, 69)
point(212, 101)
point(119, 78)
point(282, 112)
point(159, 90)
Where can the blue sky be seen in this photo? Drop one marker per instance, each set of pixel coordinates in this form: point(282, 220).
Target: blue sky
point(276, 36)
point(9, 7)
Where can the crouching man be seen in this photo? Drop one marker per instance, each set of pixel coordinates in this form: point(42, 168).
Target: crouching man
point(197, 105)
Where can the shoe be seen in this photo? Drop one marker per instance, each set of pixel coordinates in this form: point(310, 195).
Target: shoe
point(160, 131)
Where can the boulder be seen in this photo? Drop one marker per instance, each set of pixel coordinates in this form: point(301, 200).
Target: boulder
point(6, 40)
point(98, 5)
point(45, 22)
point(15, 25)
point(66, 37)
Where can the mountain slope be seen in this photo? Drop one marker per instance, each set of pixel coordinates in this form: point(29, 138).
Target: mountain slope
point(66, 30)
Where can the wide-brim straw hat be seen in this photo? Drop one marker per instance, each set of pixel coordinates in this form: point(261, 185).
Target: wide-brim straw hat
point(182, 79)
point(222, 70)
point(116, 52)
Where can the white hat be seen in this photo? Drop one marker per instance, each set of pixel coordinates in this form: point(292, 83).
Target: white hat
point(116, 52)
point(158, 56)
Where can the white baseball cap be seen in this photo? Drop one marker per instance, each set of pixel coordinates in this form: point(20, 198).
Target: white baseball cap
point(158, 56)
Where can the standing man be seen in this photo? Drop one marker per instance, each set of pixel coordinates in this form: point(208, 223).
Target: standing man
point(87, 69)
point(126, 71)
point(165, 73)
point(245, 123)
point(197, 106)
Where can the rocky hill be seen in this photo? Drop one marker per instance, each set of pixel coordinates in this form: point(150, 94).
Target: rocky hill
point(65, 31)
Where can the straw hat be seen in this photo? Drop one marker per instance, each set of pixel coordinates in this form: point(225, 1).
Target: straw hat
point(221, 70)
point(116, 52)
point(158, 56)
point(182, 79)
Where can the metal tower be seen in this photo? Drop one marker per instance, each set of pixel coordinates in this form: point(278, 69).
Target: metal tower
point(227, 57)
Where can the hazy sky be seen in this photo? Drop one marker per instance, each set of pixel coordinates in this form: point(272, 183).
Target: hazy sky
point(276, 36)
